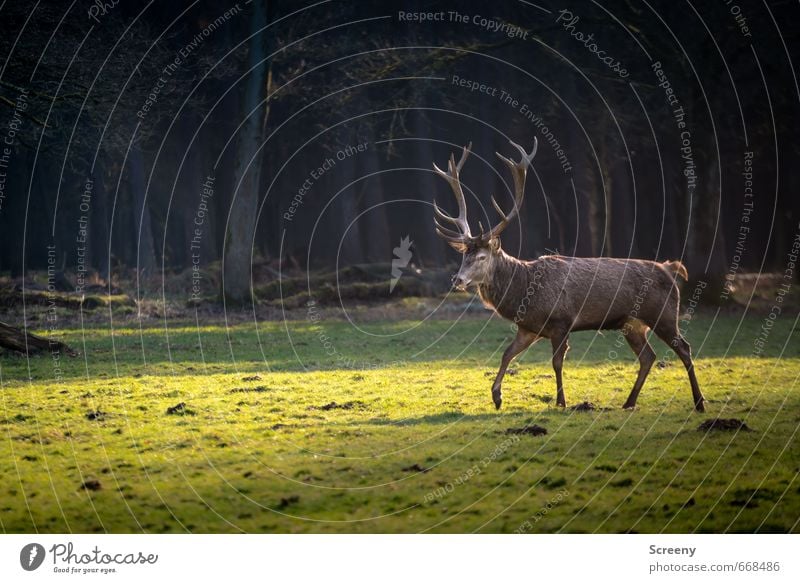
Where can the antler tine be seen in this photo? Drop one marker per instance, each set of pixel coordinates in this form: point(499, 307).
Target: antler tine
point(465, 152)
point(445, 230)
point(452, 177)
point(518, 172)
point(451, 238)
point(527, 158)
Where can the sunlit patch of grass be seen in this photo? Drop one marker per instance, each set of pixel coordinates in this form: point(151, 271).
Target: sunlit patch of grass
point(392, 429)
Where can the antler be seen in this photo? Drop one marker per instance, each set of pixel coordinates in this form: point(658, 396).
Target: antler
point(454, 181)
point(518, 171)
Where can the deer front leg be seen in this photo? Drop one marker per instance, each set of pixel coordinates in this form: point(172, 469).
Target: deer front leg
point(520, 343)
point(560, 344)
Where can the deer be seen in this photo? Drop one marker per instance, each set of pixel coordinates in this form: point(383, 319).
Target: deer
point(552, 296)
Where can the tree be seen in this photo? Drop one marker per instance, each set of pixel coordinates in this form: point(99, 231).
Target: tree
point(241, 226)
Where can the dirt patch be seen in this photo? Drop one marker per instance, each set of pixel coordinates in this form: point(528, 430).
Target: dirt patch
point(91, 485)
point(258, 389)
point(416, 468)
point(254, 377)
point(288, 501)
point(96, 415)
point(585, 406)
point(334, 405)
point(723, 425)
point(180, 409)
point(527, 430)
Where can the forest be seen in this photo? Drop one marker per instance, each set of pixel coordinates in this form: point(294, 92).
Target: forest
point(302, 137)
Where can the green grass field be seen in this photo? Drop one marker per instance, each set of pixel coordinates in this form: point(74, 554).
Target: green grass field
point(389, 427)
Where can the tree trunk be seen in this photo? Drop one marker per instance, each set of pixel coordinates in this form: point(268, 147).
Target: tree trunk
point(706, 259)
point(144, 232)
point(236, 282)
point(98, 223)
point(376, 232)
point(428, 247)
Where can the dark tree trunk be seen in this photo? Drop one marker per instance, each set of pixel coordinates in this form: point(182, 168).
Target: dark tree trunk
point(98, 223)
point(143, 233)
point(247, 166)
point(705, 257)
point(349, 239)
point(427, 246)
point(376, 222)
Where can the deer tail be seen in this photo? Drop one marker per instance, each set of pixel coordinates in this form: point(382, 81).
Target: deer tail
point(677, 268)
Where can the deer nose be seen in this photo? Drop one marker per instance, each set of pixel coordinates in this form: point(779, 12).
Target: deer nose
point(458, 282)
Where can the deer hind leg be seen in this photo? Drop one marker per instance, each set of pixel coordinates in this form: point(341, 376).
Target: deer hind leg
point(669, 333)
point(635, 333)
point(560, 342)
point(520, 343)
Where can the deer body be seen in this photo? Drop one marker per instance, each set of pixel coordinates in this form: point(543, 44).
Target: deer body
point(552, 296)
point(584, 293)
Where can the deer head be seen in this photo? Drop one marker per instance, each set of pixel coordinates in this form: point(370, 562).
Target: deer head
point(479, 251)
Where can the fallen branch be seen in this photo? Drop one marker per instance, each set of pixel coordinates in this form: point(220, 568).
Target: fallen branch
point(19, 340)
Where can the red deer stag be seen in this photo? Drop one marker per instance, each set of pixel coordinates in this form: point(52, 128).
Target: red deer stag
point(552, 296)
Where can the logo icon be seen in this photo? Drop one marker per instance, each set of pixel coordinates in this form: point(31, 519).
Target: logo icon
point(31, 556)
point(402, 256)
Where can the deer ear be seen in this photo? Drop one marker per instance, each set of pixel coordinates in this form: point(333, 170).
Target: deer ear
point(458, 246)
point(494, 244)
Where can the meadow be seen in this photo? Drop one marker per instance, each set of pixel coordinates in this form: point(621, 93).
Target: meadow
point(388, 426)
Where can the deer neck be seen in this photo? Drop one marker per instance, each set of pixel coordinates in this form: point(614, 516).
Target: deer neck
point(501, 292)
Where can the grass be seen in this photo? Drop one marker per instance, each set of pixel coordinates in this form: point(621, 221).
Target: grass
point(389, 427)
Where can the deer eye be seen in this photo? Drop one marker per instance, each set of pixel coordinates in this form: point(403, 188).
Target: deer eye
point(481, 257)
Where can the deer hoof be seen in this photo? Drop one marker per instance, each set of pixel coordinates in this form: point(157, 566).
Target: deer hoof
point(629, 406)
point(699, 407)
